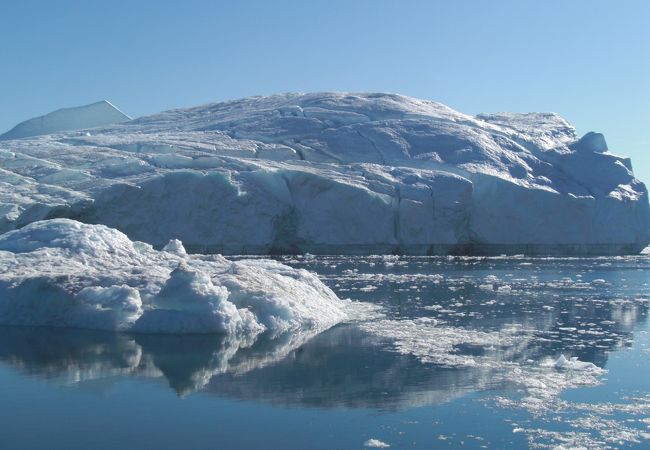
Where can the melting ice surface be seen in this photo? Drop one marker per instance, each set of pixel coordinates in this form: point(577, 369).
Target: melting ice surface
point(502, 352)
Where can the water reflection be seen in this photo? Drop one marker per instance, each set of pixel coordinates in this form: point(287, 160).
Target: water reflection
point(447, 327)
point(343, 367)
point(72, 356)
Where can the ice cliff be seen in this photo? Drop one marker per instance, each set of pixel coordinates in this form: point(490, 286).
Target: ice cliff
point(332, 173)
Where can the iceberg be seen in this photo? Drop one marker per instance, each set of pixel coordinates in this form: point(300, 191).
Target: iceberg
point(334, 173)
point(79, 117)
point(62, 273)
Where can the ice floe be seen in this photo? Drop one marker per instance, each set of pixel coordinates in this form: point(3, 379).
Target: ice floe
point(69, 274)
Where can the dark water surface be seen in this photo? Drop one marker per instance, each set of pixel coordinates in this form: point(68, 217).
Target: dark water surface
point(443, 352)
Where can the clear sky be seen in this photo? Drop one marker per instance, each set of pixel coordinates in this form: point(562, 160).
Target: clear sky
point(588, 60)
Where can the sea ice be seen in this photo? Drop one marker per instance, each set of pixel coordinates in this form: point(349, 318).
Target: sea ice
point(69, 274)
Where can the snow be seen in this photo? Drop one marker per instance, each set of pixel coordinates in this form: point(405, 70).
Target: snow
point(76, 118)
point(65, 273)
point(334, 173)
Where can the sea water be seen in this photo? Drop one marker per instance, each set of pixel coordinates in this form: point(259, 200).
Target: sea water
point(438, 352)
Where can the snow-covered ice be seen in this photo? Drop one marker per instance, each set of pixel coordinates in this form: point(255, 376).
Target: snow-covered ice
point(69, 274)
point(332, 173)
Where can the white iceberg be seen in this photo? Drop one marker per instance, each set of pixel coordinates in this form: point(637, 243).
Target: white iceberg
point(334, 173)
point(64, 273)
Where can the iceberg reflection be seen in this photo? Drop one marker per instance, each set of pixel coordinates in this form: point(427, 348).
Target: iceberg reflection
point(346, 366)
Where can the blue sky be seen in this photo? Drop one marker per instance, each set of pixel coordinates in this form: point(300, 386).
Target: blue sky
point(588, 60)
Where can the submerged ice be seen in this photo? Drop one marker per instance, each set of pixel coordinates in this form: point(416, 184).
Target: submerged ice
point(333, 173)
point(69, 274)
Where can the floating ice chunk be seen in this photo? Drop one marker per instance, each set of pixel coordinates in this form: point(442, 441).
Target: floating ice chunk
point(574, 363)
point(432, 341)
point(68, 274)
point(175, 246)
point(375, 443)
point(505, 289)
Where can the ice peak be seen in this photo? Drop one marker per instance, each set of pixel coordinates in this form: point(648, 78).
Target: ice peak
point(92, 115)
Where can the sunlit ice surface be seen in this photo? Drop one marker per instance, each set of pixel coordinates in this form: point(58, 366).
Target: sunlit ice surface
point(436, 352)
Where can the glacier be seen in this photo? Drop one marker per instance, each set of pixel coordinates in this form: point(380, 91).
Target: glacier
point(333, 173)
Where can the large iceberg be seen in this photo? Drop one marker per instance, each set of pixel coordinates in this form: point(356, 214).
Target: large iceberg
point(63, 273)
point(334, 173)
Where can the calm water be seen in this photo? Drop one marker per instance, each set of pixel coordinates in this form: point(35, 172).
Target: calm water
point(439, 353)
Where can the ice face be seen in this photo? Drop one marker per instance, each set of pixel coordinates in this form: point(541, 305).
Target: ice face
point(67, 274)
point(334, 173)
